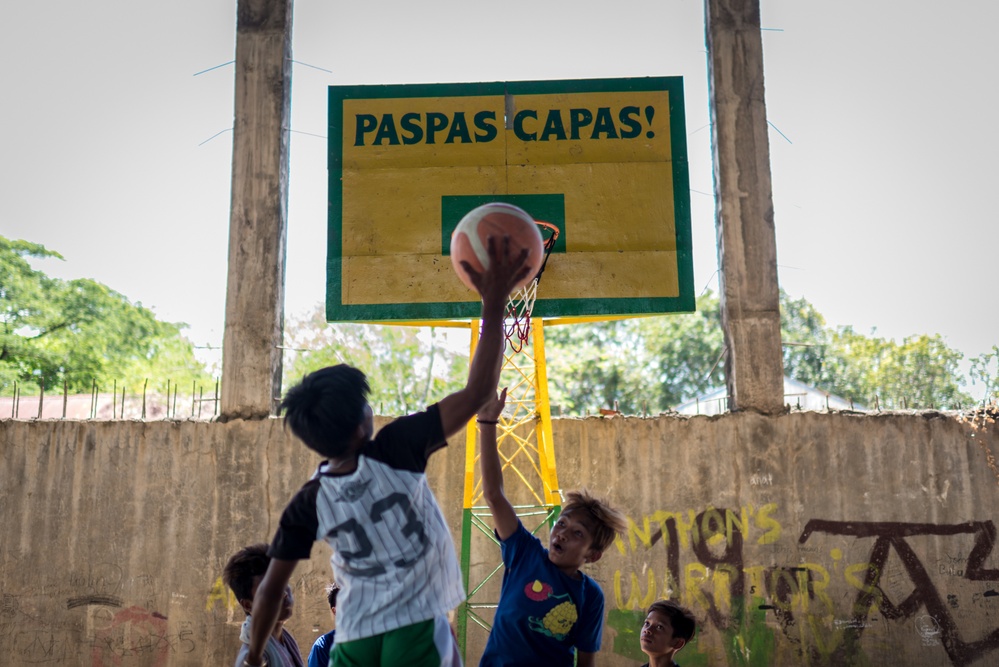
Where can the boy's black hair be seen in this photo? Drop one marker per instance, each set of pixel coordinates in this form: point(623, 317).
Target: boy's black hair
point(243, 566)
point(331, 592)
point(681, 618)
point(326, 407)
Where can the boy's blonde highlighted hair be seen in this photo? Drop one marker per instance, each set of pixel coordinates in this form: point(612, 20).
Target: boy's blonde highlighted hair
point(607, 521)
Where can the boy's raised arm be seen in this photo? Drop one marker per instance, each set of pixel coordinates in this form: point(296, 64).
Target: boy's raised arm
point(494, 285)
point(504, 517)
point(267, 607)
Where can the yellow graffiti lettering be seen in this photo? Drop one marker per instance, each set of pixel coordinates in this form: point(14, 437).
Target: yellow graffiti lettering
point(661, 517)
point(636, 600)
point(619, 543)
point(220, 592)
point(670, 585)
point(777, 576)
point(694, 575)
point(825, 641)
point(731, 522)
point(765, 522)
point(820, 584)
point(722, 577)
point(685, 527)
point(713, 527)
point(644, 534)
point(850, 573)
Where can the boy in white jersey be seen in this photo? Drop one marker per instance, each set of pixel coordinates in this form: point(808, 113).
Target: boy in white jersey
point(393, 556)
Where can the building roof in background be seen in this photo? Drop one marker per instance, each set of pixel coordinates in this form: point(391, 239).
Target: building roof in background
point(797, 395)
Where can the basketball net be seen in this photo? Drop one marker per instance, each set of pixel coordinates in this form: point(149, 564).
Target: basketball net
point(520, 304)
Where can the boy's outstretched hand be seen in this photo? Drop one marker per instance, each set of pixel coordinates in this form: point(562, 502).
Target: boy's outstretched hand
point(504, 272)
point(492, 410)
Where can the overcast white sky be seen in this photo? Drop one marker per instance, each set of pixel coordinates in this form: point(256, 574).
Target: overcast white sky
point(884, 179)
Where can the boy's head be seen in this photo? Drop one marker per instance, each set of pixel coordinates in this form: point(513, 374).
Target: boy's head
point(583, 531)
point(331, 592)
point(668, 627)
point(243, 574)
point(327, 407)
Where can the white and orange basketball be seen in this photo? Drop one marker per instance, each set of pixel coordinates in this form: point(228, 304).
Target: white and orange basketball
point(469, 242)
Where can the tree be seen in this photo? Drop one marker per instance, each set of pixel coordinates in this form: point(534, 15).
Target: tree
point(408, 368)
point(77, 332)
point(985, 370)
point(638, 365)
point(650, 364)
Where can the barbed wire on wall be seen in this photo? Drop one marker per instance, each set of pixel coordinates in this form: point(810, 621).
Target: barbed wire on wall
point(169, 402)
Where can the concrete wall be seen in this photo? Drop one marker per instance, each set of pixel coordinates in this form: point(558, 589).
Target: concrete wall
point(801, 539)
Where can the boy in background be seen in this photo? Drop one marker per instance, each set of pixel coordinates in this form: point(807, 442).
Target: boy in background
point(319, 656)
point(393, 555)
point(667, 629)
point(243, 574)
point(550, 614)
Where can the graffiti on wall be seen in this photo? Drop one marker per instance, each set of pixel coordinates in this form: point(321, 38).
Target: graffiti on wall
point(98, 614)
point(816, 596)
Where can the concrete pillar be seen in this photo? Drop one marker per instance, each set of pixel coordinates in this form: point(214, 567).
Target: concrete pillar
point(747, 248)
point(254, 309)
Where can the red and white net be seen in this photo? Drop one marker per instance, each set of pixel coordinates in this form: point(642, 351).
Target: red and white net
point(521, 302)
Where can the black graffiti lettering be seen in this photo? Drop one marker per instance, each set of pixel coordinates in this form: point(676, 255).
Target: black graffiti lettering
point(892, 537)
point(711, 523)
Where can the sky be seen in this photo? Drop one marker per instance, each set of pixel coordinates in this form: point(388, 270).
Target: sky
point(116, 149)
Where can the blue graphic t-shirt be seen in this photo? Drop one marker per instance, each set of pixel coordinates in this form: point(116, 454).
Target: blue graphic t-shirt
point(319, 656)
point(543, 616)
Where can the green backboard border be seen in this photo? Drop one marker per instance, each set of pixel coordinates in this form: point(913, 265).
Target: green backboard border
point(337, 311)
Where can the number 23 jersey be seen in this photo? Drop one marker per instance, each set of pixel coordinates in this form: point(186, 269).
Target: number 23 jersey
point(393, 556)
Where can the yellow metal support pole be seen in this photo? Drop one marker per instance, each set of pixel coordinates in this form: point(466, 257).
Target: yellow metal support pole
point(546, 441)
point(527, 455)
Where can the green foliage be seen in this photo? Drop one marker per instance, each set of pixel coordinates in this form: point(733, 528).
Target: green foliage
point(77, 332)
point(985, 371)
point(408, 368)
point(652, 364)
point(637, 365)
point(921, 372)
point(649, 365)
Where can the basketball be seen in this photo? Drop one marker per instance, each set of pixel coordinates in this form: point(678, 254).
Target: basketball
point(469, 242)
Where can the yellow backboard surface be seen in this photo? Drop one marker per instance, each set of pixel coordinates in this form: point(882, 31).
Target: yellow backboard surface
point(604, 160)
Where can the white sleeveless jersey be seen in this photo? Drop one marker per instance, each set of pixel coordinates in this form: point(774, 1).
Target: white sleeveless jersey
point(393, 555)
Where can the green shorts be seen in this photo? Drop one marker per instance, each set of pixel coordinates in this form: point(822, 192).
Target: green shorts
point(425, 644)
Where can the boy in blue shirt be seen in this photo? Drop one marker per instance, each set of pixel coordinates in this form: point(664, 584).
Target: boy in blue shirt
point(550, 614)
point(319, 656)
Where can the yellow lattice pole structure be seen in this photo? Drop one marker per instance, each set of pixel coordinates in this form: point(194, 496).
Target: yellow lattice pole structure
point(527, 454)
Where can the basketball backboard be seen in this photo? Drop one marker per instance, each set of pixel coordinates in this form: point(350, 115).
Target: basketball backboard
point(604, 160)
